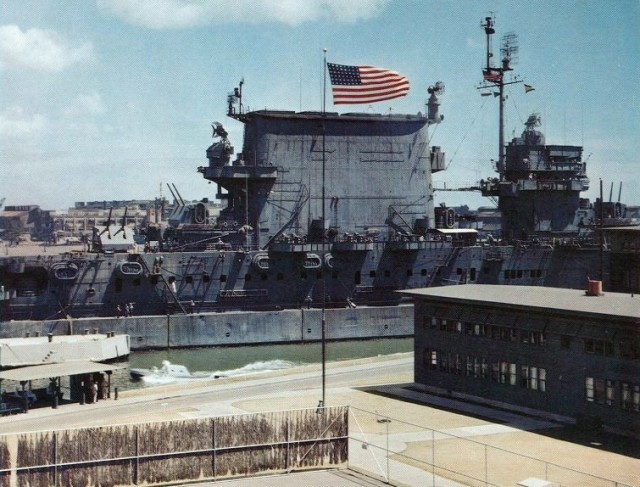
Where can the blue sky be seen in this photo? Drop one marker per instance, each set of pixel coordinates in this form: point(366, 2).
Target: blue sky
point(110, 99)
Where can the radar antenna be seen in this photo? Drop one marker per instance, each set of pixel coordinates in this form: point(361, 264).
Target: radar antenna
point(534, 120)
point(493, 77)
point(509, 51)
point(234, 103)
point(219, 131)
point(432, 105)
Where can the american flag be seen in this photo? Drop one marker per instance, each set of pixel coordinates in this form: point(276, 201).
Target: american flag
point(492, 75)
point(365, 84)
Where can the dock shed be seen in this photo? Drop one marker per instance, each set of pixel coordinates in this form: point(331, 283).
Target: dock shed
point(82, 377)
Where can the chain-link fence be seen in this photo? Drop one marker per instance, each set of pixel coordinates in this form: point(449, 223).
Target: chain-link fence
point(404, 453)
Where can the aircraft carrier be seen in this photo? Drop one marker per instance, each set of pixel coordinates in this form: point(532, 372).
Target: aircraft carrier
point(325, 213)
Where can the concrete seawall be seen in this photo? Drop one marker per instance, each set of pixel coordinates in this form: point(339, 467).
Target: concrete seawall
point(232, 328)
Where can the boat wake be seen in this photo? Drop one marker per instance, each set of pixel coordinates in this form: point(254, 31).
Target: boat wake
point(171, 373)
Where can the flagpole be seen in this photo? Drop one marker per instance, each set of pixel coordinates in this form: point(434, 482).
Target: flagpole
point(324, 85)
point(324, 291)
point(324, 116)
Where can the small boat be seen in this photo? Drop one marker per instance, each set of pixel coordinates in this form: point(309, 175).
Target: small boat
point(166, 372)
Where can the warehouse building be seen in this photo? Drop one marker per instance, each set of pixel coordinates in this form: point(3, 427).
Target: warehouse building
point(571, 354)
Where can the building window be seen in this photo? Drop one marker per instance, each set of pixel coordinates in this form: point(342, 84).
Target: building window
point(480, 330)
point(598, 347)
point(589, 389)
point(470, 366)
point(599, 391)
point(630, 397)
point(458, 364)
point(610, 393)
point(444, 362)
point(476, 368)
point(534, 378)
point(430, 359)
point(452, 326)
point(512, 374)
point(504, 373)
point(503, 333)
point(533, 337)
point(433, 359)
point(565, 342)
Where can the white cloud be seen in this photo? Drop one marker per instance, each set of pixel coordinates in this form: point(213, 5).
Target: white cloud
point(172, 14)
point(14, 123)
point(86, 104)
point(39, 49)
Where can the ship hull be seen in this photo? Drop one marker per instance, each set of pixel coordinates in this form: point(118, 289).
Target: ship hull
point(286, 278)
point(232, 298)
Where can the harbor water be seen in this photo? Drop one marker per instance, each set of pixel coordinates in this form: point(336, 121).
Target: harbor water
point(233, 361)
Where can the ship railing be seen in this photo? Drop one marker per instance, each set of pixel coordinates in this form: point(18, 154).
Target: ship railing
point(567, 184)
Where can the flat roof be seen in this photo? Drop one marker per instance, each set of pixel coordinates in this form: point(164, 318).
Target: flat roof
point(546, 298)
point(56, 370)
point(36, 340)
point(13, 213)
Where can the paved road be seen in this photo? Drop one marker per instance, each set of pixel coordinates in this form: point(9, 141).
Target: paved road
point(215, 397)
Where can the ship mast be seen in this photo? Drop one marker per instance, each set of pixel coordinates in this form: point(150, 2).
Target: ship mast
point(494, 78)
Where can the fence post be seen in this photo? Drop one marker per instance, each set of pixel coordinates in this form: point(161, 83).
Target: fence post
point(55, 459)
point(215, 451)
point(287, 459)
point(137, 450)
